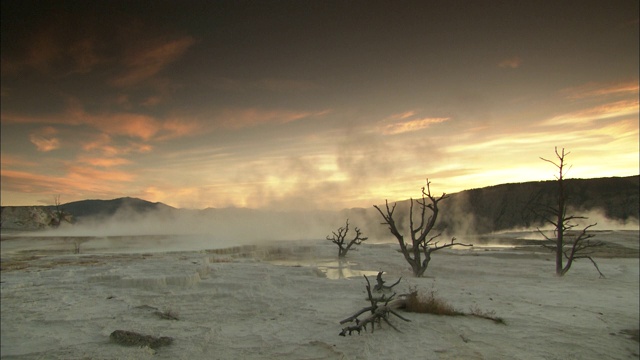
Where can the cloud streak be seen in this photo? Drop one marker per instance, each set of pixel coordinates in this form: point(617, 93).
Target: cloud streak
point(407, 121)
point(511, 63)
point(145, 63)
point(594, 89)
point(596, 113)
point(239, 118)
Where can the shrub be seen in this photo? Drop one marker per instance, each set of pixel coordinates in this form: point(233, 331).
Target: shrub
point(429, 304)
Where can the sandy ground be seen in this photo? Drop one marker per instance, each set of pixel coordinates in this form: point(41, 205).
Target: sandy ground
point(285, 301)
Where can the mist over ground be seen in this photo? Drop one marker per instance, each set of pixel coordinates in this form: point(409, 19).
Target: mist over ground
point(611, 203)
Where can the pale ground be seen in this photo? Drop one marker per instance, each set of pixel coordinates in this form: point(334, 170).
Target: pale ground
point(285, 301)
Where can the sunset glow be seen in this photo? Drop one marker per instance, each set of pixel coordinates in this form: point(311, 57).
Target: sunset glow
point(301, 105)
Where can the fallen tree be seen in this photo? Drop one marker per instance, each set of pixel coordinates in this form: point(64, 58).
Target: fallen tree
point(377, 313)
point(382, 307)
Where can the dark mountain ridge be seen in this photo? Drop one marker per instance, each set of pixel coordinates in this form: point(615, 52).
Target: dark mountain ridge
point(85, 208)
point(520, 205)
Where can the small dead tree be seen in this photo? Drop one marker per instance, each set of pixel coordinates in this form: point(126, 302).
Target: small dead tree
point(418, 251)
point(58, 213)
point(563, 224)
point(339, 238)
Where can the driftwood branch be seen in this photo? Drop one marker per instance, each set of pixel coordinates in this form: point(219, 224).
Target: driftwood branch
point(378, 312)
point(380, 286)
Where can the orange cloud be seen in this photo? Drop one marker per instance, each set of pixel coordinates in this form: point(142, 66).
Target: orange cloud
point(606, 111)
point(86, 176)
point(99, 141)
point(406, 122)
point(51, 52)
point(103, 162)
point(44, 139)
point(133, 125)
point(102, 142)
point(26, 182)
point(401, 116)
point(129, 124)
point(146, 63)
point(412, 125)
point(9, 160)
point(242, 118)
point(512, 62)
point(594, 89)
point(177, 127)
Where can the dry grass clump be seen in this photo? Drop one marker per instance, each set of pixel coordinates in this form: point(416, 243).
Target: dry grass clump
point(429, 304)
point(132, 338)
point(17, 262)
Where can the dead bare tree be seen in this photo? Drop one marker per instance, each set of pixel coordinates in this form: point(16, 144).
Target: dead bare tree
point(421, 245)
point(58, 213)
point(339, 238)
point(563, 224)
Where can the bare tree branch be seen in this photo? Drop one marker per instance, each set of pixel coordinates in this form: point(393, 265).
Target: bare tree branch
point(563, 224)
point(418, 252)
point(339, 238)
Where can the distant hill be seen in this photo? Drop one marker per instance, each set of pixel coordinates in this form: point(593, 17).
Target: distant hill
point(516, 206)
point(87, 208)
point(510, 206)
point(475, 211)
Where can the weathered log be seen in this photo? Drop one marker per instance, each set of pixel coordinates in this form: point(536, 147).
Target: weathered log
point(380, 286)
point(378, 312)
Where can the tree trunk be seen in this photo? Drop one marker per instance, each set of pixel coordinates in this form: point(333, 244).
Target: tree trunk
point(560, 226)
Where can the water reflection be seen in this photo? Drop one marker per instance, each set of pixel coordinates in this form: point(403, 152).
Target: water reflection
point(332, 269)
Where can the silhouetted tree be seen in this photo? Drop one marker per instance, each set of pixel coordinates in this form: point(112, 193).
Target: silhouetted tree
point(339, 238)
point(418, 251)
point(563, 225)
point(58, 213)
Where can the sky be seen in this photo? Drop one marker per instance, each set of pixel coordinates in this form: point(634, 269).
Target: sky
point(310, 104)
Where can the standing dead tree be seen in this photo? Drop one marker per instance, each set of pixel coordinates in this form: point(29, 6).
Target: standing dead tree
point(563, 224)
point(339, 238)
point(418, 252)
point(58, 215)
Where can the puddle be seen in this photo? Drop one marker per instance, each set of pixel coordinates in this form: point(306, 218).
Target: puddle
point(332, 269)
